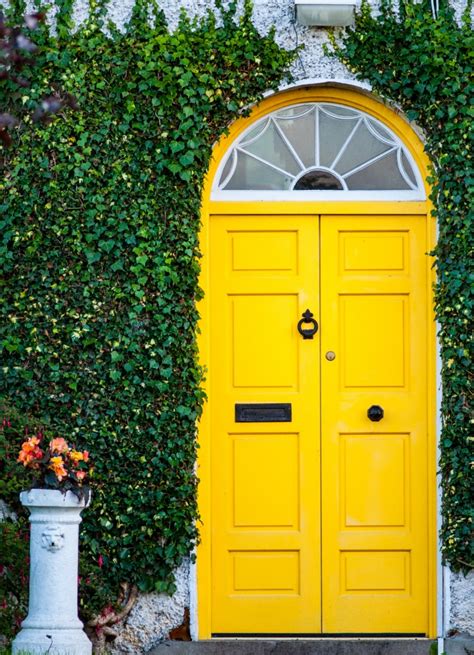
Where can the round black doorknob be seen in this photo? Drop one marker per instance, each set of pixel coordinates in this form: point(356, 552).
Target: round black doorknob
point(375, 413)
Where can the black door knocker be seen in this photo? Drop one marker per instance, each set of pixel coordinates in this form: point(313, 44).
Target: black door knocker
point(307, 333)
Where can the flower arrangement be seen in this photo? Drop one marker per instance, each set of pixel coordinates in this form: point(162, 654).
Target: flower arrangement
point(59, 466)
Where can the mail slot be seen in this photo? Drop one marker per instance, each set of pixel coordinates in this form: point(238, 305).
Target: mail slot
point(263, 413)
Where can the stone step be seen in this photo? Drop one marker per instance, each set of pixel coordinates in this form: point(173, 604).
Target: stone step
point(297, 647)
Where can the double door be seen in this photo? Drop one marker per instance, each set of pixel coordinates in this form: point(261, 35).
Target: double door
point(319, 434)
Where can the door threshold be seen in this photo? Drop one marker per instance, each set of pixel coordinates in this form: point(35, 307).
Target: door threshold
point(321, 637)
point(297, 646)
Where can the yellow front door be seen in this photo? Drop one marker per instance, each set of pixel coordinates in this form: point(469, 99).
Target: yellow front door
point(265, 474)
point(318, 441)
point(374, 472)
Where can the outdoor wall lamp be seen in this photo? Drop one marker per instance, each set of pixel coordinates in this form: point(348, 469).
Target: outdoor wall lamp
point(325, 13)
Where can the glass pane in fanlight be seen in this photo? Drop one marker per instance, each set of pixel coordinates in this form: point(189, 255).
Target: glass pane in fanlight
point(251, 174)
point(408, 169)
point(362, 147)
point(295, 111)
point(227, 167)
point(300, 132)
point(271, 147)
point(333, 133)
point(340, 111)
point(381, 131)
point(381, 175)
point(255, 131)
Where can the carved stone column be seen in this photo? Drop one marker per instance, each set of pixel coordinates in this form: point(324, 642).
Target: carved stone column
point(52, 625)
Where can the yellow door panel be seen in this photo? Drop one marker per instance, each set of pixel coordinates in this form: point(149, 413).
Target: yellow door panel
point(369, 463)
point(373, 330)
point(265, 475)
point(265, 572)
point(260, 324)
point(374, 473)
point(261, 462)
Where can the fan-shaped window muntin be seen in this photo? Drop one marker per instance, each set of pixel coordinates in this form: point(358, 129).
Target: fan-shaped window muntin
point(292, 144)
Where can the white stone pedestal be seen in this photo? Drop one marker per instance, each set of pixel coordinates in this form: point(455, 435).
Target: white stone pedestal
point(52, 625)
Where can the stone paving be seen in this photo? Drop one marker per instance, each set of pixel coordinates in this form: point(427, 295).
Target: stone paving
point(297, 647)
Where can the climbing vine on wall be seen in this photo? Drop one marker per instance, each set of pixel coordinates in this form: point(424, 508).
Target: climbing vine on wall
point(425, 65)
point(99, 222)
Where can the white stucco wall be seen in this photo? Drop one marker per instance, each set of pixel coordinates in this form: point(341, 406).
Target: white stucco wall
point(462, 603)
point(153, 616)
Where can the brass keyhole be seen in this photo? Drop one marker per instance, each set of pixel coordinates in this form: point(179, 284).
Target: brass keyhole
point(330, 356)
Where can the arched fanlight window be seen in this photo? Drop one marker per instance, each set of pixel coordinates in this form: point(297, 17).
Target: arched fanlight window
point(319, 147)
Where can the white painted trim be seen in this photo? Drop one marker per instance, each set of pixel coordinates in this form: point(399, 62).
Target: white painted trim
point(326, 2)
point(340, 82)
point(288, 144)
point(346, 142)
point(402, 171)
point(316, 196)
point(264, 162)
point(376, 159)
point(193, 602)
point(440, 569)
point(445, 605)
point(447, 599)
point(338, 177)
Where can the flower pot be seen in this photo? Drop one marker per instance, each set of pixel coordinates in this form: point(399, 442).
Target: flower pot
point(52, 625)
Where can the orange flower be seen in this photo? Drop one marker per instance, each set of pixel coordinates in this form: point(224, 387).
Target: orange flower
point(30, 452)
point(30, 444)
point(24, 457)
point(76, 456)
point(27, 459)
point(56, 464)
point(80, 475)
point(58, 445)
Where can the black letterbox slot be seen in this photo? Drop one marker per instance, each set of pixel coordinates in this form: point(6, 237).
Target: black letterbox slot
point(263, 413)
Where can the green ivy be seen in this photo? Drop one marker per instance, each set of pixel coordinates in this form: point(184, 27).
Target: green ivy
point(425, 65)
point(99, 264)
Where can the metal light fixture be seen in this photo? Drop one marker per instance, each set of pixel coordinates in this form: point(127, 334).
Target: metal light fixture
point(325, 13)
